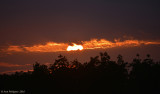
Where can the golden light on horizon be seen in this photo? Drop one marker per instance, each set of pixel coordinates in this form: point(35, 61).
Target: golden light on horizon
point(74, 47)
point(90, 44)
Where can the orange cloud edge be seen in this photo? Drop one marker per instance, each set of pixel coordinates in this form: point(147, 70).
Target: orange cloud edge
point(84, 45)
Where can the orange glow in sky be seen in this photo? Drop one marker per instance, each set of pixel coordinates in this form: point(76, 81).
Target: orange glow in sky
point(74, 47)
point(91, 44)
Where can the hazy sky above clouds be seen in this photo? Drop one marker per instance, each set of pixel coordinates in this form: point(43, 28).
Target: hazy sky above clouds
point(30, 22)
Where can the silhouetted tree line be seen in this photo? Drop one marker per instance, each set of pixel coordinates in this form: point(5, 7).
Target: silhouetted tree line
point(100, 75)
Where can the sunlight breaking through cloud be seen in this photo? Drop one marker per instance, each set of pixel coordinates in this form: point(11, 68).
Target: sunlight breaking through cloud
point(74, 47)
point(92, 44)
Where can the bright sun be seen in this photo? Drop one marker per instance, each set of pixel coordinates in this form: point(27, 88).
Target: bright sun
point(74, 47)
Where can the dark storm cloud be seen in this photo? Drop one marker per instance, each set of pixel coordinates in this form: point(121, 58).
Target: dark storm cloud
point(30, 22)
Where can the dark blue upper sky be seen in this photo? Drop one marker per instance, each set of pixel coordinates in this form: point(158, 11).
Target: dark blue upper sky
point(30, 22)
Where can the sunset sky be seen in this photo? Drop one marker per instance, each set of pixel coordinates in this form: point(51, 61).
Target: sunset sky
point(39, 30)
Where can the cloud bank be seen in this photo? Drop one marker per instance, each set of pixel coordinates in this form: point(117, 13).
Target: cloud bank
point(91, 44)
